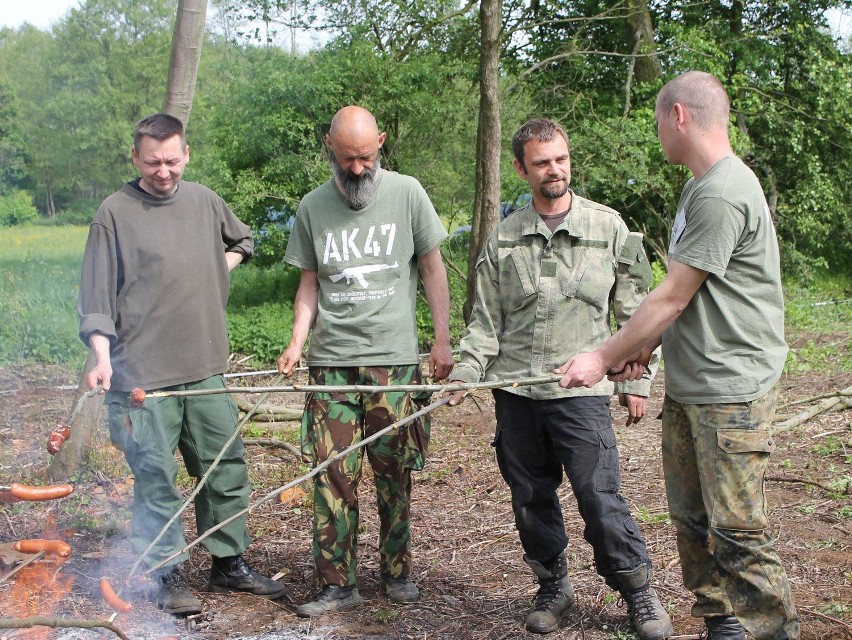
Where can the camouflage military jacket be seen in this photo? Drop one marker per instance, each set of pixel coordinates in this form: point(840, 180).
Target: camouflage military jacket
point(544, 297)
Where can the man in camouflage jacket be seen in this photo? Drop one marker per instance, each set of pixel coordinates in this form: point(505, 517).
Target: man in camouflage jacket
point(547, 281)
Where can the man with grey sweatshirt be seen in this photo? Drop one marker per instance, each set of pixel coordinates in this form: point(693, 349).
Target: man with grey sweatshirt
point(153, 292)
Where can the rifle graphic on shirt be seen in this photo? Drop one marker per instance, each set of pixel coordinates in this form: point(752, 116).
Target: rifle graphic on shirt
point(357, 273)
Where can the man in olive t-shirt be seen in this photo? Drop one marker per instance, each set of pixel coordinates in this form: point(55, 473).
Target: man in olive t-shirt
point(720, 316)
point(359, 240)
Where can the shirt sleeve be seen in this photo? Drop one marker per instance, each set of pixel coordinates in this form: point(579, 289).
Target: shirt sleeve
point(713, 230)
point(236, 235)
point(426, 225)
point(96, 302)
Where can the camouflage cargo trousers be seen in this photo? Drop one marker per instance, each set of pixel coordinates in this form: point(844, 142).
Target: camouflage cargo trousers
point(334, 421)
point(714, 460)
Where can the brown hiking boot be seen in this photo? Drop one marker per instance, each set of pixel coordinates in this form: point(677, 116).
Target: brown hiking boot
point(650, 620)
point(174, 595)
point(332, 598)
point(401, 589)
point(555, 597)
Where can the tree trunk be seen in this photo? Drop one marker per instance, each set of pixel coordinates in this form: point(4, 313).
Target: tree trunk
point(486, 202)
point(186, 54)
point(70, 457)
point(640, 39)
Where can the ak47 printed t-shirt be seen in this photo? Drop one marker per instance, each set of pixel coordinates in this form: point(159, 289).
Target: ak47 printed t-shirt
point(366, 263)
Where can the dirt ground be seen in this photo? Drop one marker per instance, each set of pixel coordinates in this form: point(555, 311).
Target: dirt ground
point(468, 558)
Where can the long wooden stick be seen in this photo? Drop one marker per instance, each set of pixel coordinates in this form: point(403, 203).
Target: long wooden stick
point(316, 470)
point(363, 388)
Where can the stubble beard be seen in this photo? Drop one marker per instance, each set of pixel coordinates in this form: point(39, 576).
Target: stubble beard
point(556, 191)
point(357, 190)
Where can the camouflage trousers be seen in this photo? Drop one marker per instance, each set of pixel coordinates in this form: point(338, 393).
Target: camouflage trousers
point(334, 421)
point(714, 460)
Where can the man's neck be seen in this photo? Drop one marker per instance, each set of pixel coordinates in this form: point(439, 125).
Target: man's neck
point(711, 147)
point(548, 206)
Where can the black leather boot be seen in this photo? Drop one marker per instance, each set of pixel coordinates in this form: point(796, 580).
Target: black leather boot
point(724, 628)
point(173, 595)
point(234, 574)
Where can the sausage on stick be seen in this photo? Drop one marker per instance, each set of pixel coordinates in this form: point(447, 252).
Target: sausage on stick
point(112, 599)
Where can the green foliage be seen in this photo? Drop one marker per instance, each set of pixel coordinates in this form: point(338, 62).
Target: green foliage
point(17, 208)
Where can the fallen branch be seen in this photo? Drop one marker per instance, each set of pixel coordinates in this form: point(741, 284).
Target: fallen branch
point(806, 415)
point(843, 392)
point(282, 411)
point(816, 613)
point(44, 621)
point(800, 481)
point(271, 442)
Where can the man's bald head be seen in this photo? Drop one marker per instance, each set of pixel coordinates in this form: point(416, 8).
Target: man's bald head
point(353, 121)
point(355, 141)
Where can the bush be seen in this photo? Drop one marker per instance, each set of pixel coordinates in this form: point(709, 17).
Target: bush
point(17, 208)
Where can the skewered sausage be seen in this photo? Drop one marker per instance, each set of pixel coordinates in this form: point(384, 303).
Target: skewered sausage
point(137, 397)
point(57, 438)
point(36, 494)
point(53, 547)
point(112, 599)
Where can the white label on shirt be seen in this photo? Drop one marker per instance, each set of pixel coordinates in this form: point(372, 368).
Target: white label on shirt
point(678, 228)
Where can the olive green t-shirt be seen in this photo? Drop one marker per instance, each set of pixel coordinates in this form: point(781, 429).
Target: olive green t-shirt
point(366, 262)
point(728, 344)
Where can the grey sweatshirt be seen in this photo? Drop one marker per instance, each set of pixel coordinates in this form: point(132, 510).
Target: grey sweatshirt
point(155, 282)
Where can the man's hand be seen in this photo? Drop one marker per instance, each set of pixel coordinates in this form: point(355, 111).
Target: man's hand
point(583, 370)
point(634, 368)
point(101, 374)
point(289, 360)
point(440, 361)
point(636, 407)
point(456, 397)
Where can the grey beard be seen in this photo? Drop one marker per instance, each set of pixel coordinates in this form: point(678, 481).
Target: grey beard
point(358, 191)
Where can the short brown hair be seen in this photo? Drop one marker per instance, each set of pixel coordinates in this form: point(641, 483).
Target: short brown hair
point(703, 96)
point(160, 126)
point(538, 129)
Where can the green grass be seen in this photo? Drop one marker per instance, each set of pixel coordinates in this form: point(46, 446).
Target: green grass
point(39, 281)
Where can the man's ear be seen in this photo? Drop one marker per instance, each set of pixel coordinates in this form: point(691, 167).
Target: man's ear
point(382, 137)
point(520, 169)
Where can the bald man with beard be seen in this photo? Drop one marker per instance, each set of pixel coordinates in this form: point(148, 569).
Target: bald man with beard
point(360, 239)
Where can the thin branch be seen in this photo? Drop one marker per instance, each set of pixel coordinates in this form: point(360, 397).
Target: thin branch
point(44, 621)
point(25, 563)
point(844, 392)
point(801, 481)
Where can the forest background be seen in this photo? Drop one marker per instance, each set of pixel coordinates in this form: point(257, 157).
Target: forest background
point(273, 73)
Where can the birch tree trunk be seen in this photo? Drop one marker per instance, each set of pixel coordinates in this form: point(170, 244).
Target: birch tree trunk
point(186, 54)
